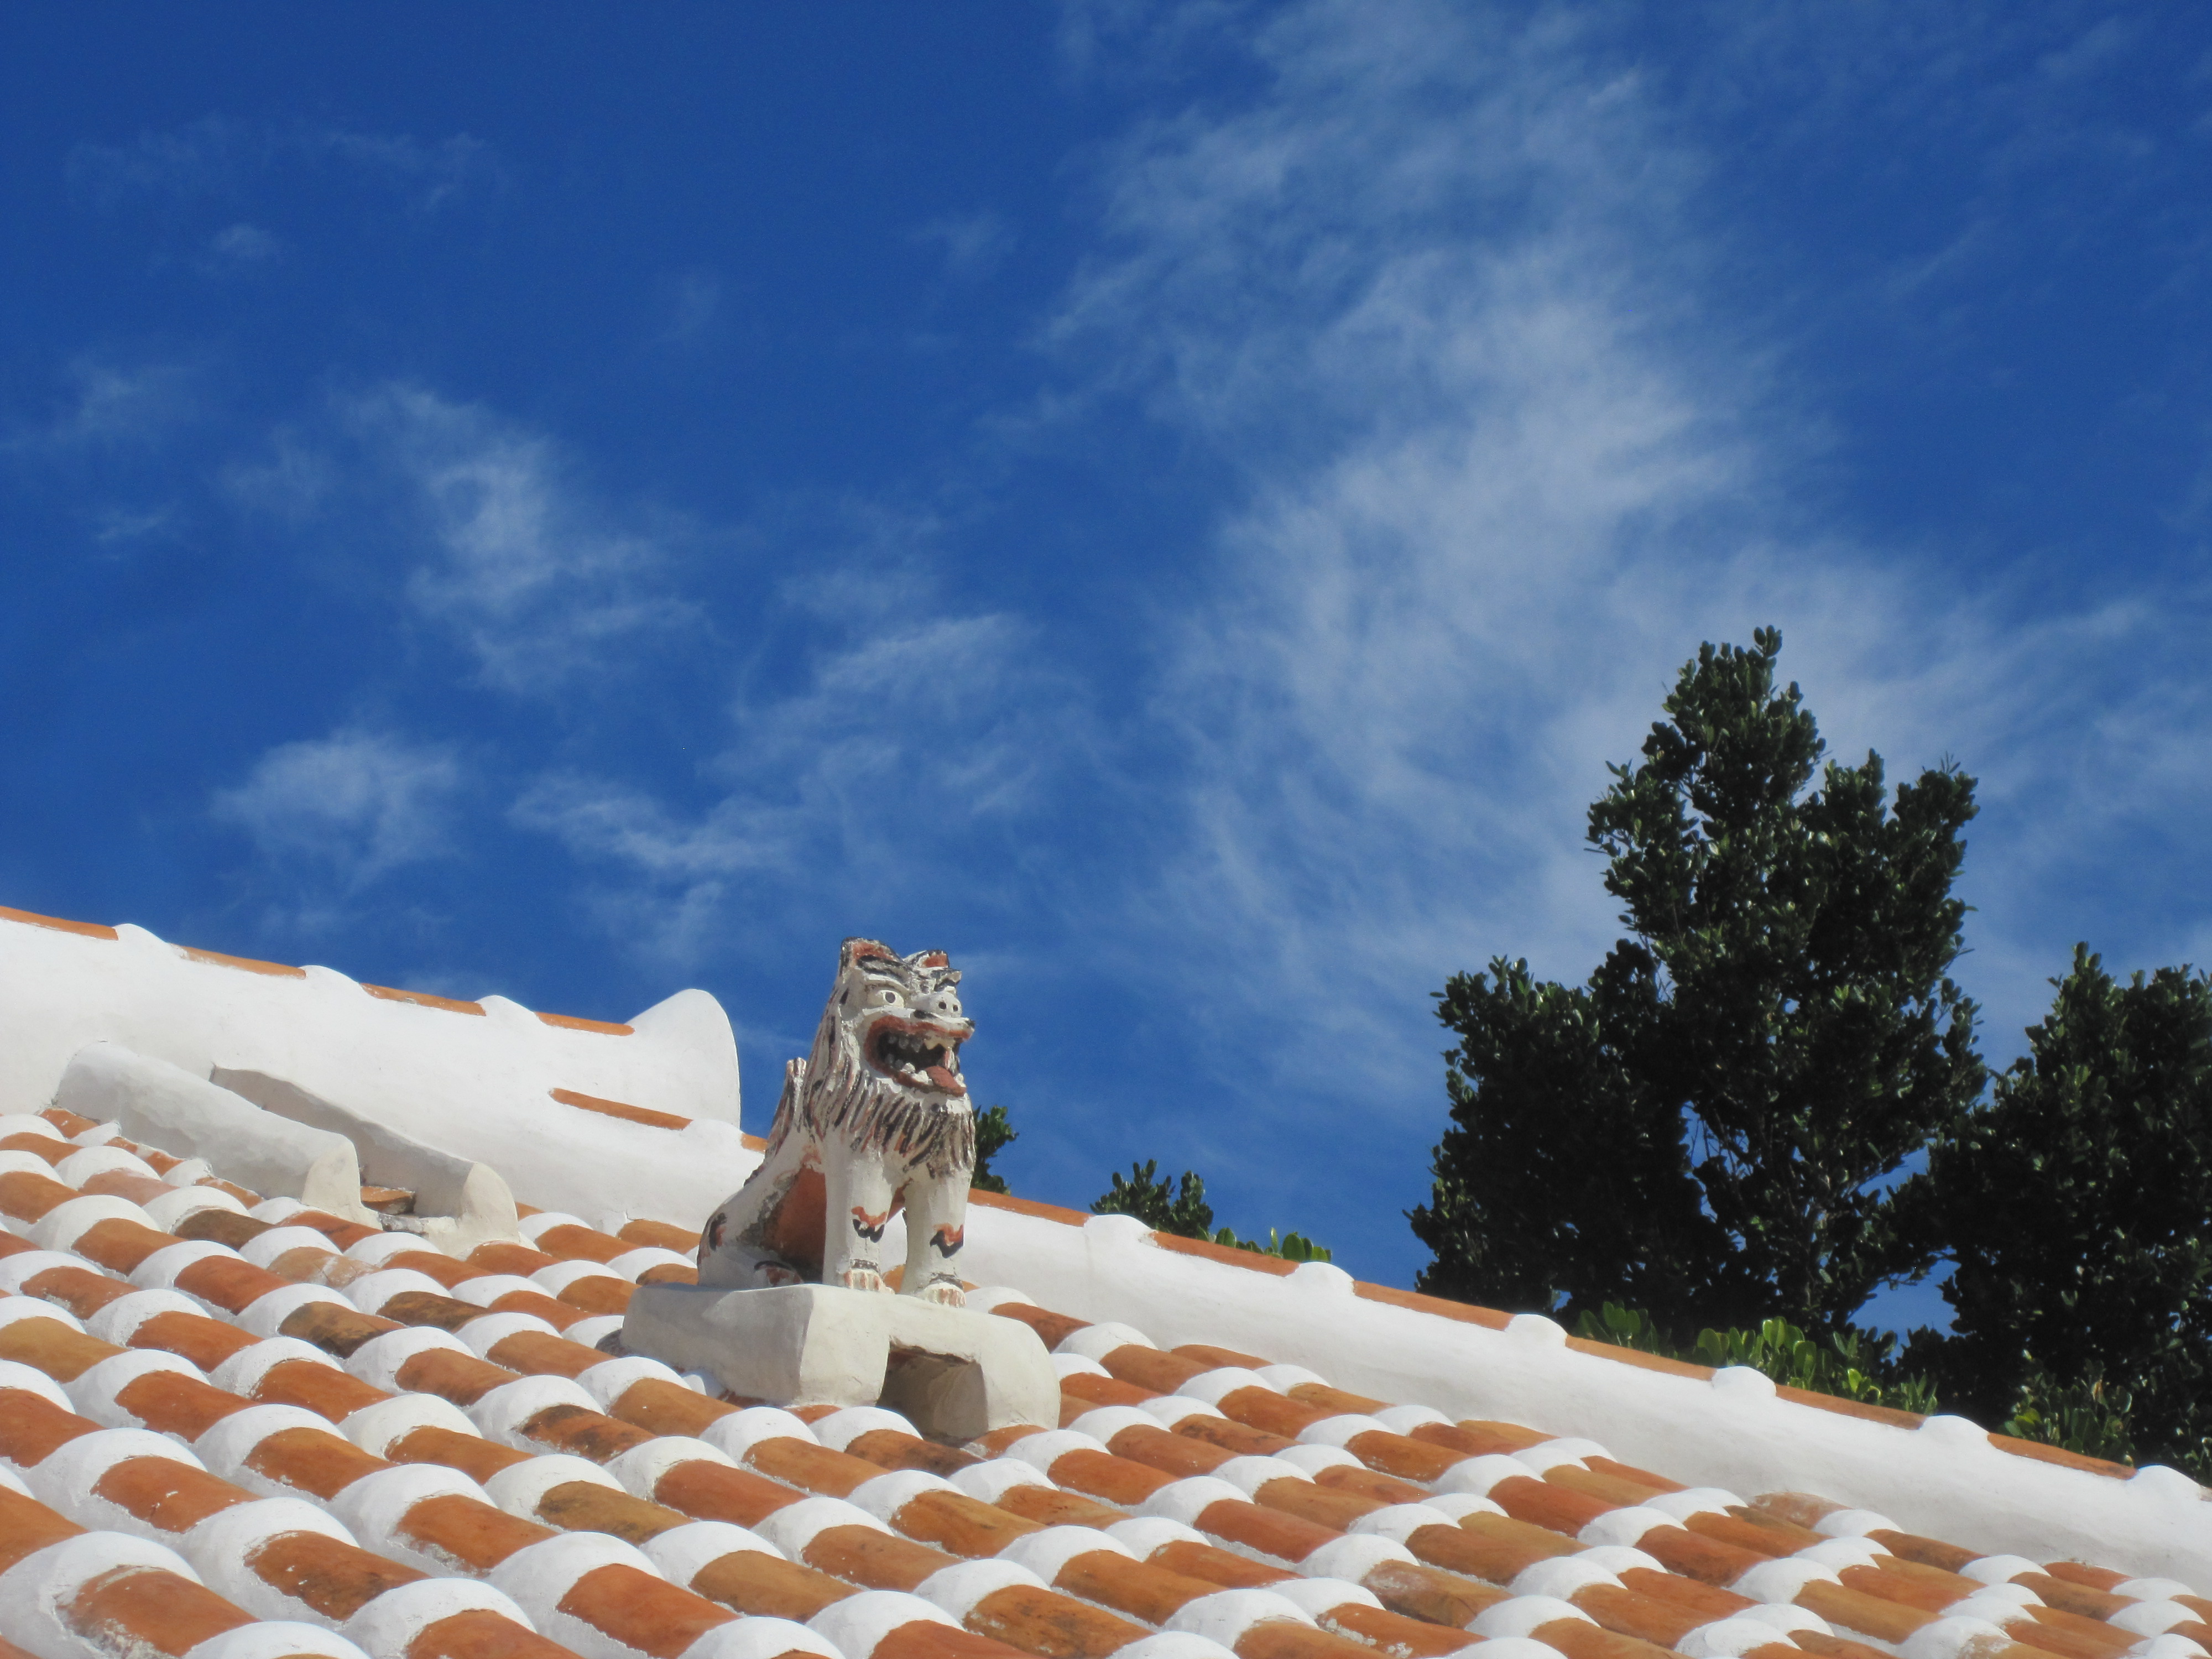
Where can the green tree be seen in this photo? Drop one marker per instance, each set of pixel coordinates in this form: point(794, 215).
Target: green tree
point(1705, 1130)
point(993, 1134)
point(1157, 1202)
point(2078, 1206)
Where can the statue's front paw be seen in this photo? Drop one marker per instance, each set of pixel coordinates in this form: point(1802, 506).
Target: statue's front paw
point(946, 1292)
point(861, 1279)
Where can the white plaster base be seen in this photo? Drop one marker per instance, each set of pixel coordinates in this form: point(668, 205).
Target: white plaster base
point(952, 1373)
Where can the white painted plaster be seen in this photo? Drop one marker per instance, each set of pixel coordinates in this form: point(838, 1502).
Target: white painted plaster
point(64, 1477)
point(1400, 1522)
point(16, 1271)
point(639, 1469)
point(1065, 1365)
point(1225, 1615)
point(1312, 1460)
point(741, 1430)
point(374, 1427)
point(221, 1545)
point(266, 1312)
point(1524, 1614)
point(1353, 1556)
point(242, 1372)
point(992, 1481)
point(519, 1488)
point(389, 1623)
point(264, 1248)
point(1146, 1534)
point(1562, 1576)
point(61, 1227)
point(1174, 1644)
point(176, 1109)
point(80, 1167)
point(16, 1374)
point(171, 1208)
point(1727, 1639)
point(481, 1336)
point(276, 1639)
point(91, 1392)
point(1186, 1500)
point(959, 1587)
point(1042, 1449)
point(227, 1442)
point(795, 1526)
point(1738, 1437)
point(1106, 1421)
point(372, 1290)
point(1172, 1408)
point(608, 1380)
point(562, 1274)
point(474, 1086)
point(1045, 1553)
point(682, 1553)
point(1096, 1341)
point(855, 1625)
point(841, 1428)
point(885, 1495)
point(1249, 1474)
point(758, 1638)
point(159, 1271)
point(374, 1505)
point(37, 1590)
point(485, 1288)
point(378, 1361)
point(1323, 1594)
point(501, 1413)
point(1335, 1431)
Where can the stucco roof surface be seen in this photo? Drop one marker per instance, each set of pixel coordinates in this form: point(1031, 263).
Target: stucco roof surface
point(231, 1428)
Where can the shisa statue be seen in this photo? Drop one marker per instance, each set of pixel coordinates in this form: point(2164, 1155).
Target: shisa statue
point(874, 1121)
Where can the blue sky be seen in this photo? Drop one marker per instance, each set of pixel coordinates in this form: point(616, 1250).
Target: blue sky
point(1175, 505)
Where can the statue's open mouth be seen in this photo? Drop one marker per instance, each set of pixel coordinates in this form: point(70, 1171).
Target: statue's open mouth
point(919, 1055)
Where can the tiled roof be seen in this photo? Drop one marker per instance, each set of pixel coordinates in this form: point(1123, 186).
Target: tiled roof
point(234, 1428)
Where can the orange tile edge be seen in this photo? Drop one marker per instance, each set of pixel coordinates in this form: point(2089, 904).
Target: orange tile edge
point(424, 1000)
point(620, 1109)
point(32, 918)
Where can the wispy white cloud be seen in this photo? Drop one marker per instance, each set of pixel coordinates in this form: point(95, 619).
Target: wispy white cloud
point(910, 727)
point(354, 805)
point(104, 406)
point(1438, 291)
point(519, 562)
point(497, 539)
point(974, 245)
point(222, 158)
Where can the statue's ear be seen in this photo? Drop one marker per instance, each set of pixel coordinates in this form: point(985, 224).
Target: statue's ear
point(930, 959)
point(864, 950)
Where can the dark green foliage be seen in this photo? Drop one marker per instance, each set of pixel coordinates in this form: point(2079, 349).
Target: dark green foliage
point(1292, 1247)
point(1163, 1208)
point(2078, 1206)
point(1702, 1130)
point(1852, 1365)
point(993, 1134)
point(1182, 1210)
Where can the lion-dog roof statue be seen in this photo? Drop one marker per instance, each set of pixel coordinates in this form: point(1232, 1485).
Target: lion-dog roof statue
point(875, 1120)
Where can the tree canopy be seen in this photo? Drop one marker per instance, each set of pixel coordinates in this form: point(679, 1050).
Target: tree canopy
point(2077, 1206)
point(1704, 1129)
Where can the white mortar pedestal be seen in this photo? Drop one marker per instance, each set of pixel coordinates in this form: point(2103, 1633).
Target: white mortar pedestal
point(954, 1374)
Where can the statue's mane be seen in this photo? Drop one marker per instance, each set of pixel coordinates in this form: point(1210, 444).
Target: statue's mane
point(836, 1094)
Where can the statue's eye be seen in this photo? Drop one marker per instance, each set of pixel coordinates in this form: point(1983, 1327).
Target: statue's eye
point(888, 996)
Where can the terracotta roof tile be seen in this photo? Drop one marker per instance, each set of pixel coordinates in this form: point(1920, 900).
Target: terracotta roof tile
point(350, 1433)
